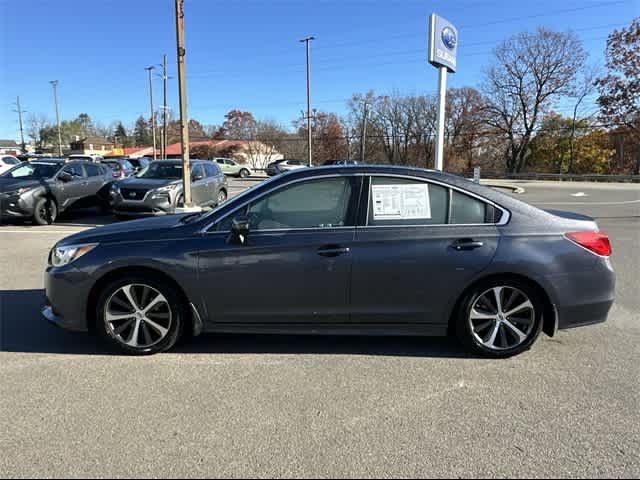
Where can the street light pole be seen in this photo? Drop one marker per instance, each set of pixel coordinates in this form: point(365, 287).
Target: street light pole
point(307, 42)
point(182, 89)
point(54, 84)
point(153, 115)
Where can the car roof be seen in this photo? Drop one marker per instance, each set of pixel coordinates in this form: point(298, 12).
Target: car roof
point(59, 161)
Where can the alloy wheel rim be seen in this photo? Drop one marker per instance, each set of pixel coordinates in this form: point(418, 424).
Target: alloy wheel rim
point(138, 316)
point(502, 318)
point(46, 212)
point(221, 197)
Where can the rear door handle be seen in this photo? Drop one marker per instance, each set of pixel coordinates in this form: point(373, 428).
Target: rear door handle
point(466, 244)
point(333, 251)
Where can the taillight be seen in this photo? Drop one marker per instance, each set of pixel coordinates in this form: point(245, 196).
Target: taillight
point(596, 242)
point(115, 175)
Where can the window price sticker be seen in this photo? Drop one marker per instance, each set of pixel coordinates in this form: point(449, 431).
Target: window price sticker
point(401, 202)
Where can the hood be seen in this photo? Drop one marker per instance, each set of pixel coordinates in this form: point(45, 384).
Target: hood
point(148, 183)
point(154, 228)
point(12, 184)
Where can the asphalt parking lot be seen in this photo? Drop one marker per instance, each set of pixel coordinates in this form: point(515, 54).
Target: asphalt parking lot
point(251, 406)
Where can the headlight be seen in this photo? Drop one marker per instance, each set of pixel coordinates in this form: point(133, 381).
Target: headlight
point(61, 256)
point(168, 188)
point(19, 192)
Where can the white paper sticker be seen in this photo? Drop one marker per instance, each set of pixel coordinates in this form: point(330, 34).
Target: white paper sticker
point(401, 202)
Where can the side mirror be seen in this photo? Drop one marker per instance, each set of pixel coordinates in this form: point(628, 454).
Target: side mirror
point(195, 178)
point(239, 230)
point(65, 177)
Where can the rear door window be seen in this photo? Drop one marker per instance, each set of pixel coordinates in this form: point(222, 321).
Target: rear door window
point(93, 170)
point(466, 209)
point(401, 201)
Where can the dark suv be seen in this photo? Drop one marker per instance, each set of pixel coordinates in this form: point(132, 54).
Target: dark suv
point(43, 189)
point(157, 189)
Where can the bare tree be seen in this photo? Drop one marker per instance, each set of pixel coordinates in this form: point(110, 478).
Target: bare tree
point(530, 72)
point(619, 99)
point(585, 87)
point(36, 123)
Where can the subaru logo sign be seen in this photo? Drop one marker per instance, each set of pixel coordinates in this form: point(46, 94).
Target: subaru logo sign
point(443, 43)
point(449, 38)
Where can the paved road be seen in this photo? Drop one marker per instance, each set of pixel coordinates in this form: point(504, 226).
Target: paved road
point(296, 406)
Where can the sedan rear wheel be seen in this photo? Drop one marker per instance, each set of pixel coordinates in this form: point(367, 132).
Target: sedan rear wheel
point(222, 197)
point(244, 173)
point(500, 319)
point(140, 316)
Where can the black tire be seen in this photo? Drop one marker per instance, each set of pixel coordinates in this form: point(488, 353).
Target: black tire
point(122, 218)
point(180, 201)
point(45, 211)
point(244, 173)
point(174, 304)
point(527, 321)
point(222, 197)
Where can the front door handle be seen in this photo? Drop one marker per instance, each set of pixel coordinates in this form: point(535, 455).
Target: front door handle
point(466, 244)
point(333, 251)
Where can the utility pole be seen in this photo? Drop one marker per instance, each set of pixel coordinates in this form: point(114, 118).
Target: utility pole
point(363, 141)
point(307, 42)
point(164, 107)
point(23, 146)
point(54, 84)
point(153, 114)
point(182, 92)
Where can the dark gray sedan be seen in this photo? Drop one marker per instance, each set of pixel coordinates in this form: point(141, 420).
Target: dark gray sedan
point(339, 250)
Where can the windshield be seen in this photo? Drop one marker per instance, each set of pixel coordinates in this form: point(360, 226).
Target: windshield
point(33, 170)
point(172, 171)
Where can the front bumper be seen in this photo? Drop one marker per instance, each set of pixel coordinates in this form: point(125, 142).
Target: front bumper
point(15, 207)
point(67, 291)
point(152, 204)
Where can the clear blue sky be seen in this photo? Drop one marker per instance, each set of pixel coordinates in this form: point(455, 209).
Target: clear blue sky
point(245, 54)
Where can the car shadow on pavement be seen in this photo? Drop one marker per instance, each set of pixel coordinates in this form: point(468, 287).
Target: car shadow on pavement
point(23, 329)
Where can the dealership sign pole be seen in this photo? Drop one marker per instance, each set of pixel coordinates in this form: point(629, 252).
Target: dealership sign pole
point(443, 49)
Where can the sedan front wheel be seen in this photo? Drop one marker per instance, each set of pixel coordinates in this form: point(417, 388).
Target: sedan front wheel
point(139, 315)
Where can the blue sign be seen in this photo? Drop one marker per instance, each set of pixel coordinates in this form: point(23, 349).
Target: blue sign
point(443, 43)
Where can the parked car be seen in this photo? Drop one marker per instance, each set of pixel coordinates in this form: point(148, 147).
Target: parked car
point(7, 162)
point(157, 190)
point(340, 162)
point(281, 166)
point(382, 250)
point(232, 168)
point(42, 189)
point(139, 163)
point(121, 167)
point(86, 158)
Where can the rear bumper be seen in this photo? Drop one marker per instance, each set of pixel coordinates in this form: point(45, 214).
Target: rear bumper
point(583, 298)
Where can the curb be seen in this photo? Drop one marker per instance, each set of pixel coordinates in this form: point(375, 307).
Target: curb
point(513, 188)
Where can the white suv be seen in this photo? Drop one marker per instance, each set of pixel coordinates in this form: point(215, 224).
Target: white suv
point(7, 162)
